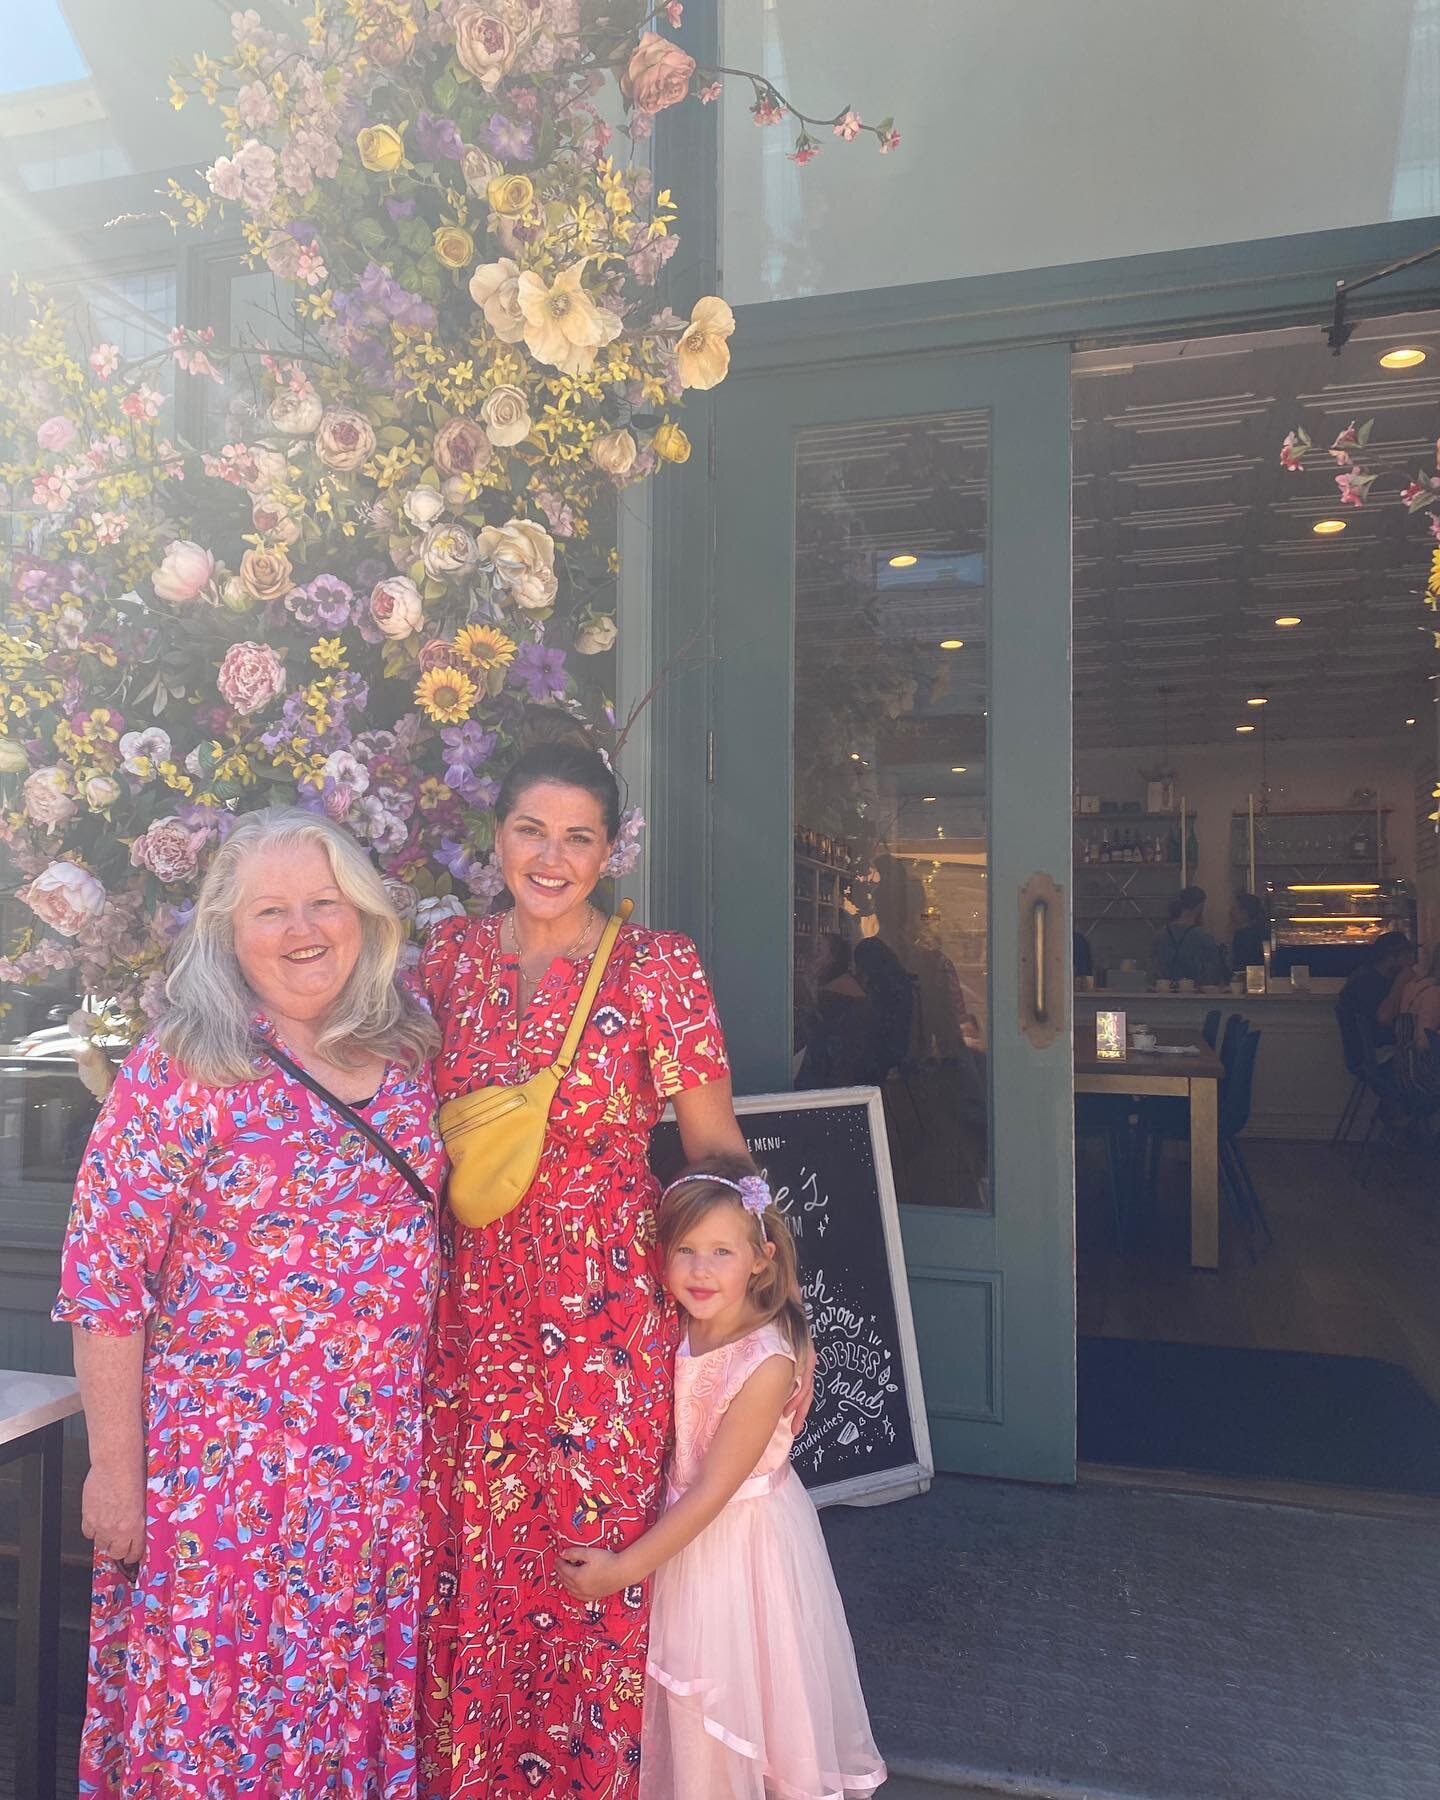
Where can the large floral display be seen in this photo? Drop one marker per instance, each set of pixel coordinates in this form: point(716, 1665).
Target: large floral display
point(400, 543)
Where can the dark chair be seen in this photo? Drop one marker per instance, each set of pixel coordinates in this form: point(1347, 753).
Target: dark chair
point(1235, 1176)
point(1391, 1109)
point(1107, 1116)
point(1353, 1050)
point(1210, 1030)
point(1235, 1028)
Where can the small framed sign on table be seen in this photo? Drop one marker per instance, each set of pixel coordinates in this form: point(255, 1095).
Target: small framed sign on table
point(827, 1159)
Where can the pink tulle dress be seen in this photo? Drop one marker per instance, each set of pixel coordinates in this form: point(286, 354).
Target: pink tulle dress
point(751, 1690)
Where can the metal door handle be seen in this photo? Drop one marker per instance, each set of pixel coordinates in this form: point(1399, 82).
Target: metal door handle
point(1040, 986)
point(1039, 924)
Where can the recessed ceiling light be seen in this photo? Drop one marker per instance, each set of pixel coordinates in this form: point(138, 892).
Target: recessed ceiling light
point(1404, 356)
point(952, 643)
point(1327, 527)
point(854, 756)
point(1244, 727)
point(929, 799)
point(1286, 620)
point(1409, 721)
point(959, 768)
point(1259, 700)
point(904, 561)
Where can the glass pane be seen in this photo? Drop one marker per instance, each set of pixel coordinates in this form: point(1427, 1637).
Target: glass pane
point(891, 931)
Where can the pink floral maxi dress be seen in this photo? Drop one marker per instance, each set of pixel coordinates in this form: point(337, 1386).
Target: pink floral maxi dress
point(283, 1273)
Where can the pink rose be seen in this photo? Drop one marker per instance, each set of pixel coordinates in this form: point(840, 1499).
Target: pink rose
point(66, 897)
point(250, 677)
point(47, 798)
point(186, 572)
point(55, 434)
point(396, 607)
point(461, 448)
point(170, 850)
point(485, 46)
point(659, 73)
point(344, 438)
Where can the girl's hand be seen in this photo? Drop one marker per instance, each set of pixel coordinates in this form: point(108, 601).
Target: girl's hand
point(797, 1409)
point(112, 1511)
point(587, 1573)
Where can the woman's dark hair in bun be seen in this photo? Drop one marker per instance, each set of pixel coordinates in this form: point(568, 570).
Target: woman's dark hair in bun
point(572, 763)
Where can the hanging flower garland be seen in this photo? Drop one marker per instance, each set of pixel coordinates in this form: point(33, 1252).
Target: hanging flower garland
point(403, 540)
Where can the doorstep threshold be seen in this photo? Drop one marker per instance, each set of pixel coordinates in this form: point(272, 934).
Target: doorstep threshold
point(1355, 1502)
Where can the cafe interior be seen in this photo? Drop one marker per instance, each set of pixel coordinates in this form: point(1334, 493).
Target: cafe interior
point(1255, 678)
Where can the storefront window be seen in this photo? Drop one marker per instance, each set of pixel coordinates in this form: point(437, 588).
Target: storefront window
point(891, 917)
point(1056, 133)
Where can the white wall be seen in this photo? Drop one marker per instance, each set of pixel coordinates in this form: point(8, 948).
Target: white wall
point(1063, 131)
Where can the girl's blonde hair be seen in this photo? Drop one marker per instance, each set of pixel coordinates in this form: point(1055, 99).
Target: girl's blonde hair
point(208, 1030)
point(774, 1291)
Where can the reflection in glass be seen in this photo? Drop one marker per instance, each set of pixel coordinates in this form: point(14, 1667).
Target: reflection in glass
point(890, 914)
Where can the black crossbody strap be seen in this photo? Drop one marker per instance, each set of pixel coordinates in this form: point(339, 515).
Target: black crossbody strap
point(362, 1124)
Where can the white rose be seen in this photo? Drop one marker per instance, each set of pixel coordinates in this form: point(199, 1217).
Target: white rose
point(495, 287)
point(597, 635)
point(423, 505)
point(403, 897)
point(12, 757)
point(47, 798)
point(505, 414)
point(101, 792)
point(396, 607)
point(296, 411)
point(439, 906)
point(615, 452)
point(447, 550)
point(65, 896)
point(521, 557)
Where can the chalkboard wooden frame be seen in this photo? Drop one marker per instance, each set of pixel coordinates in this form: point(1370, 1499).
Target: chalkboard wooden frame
point(898, 1483)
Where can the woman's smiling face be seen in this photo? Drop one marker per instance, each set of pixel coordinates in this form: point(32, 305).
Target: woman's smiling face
point(552, 849)
point(297, 937)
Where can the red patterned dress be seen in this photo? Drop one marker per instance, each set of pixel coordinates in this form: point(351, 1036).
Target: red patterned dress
point(550, 1377)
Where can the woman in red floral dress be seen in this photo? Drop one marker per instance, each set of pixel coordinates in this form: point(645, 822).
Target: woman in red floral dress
point(549, 1386)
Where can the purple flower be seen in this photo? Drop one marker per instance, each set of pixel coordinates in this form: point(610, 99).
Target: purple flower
point(453, 857)
point(400, 209)
point(323, 601)
point(468, 744)
point(513, 140)
point(438, 138)
point(539, 671)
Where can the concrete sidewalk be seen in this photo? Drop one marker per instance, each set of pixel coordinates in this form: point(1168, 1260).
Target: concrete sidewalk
point(1115, 1643)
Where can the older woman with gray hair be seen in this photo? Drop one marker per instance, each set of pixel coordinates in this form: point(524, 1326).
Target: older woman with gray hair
point(249, 1271)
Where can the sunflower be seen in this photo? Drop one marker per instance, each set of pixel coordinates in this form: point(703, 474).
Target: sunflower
point(446, 695)
point(483, 647)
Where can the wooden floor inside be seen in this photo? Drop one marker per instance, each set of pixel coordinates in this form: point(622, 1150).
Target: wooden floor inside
point(1354, 1270)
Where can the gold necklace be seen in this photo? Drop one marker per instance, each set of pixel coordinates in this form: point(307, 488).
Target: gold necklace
point(531, 982)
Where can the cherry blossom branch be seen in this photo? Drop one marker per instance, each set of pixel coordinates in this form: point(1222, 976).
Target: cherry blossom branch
point(771, 106)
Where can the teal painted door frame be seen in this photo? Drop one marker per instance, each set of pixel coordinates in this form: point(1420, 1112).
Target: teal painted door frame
point(993, 1292)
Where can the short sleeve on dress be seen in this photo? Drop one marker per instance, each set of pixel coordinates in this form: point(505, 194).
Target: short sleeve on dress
point(683, 1039)
point(746, 1357)
point(148, 1144)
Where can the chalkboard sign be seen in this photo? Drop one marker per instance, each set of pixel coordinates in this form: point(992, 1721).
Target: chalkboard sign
point(826, 1157)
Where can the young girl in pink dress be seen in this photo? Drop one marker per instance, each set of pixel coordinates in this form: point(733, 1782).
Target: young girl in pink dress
point(751, 1687)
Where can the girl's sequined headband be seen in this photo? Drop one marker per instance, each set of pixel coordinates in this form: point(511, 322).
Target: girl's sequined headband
point(754, 1191)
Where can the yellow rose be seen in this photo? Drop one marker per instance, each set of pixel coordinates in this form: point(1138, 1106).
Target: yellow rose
point(511, 195)
point(266, 573)
point(454, 246)
point(381, 147)
point(670, 443)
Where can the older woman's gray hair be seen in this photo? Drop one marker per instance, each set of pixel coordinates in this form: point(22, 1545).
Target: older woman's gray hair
point(209, 1028)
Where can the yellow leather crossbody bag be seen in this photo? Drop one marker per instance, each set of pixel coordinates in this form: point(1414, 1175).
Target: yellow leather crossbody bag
point(495, 1135)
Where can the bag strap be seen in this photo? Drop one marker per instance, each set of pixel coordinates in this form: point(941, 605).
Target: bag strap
point(358, 1120)
point(583, 1006)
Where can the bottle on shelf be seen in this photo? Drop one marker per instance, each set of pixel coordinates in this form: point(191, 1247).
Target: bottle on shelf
point(1192, 849)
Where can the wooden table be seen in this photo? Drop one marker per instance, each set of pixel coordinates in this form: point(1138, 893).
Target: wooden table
point(32, 1411)
point(1195, 1079)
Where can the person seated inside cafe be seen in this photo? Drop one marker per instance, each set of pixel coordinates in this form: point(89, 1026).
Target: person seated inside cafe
point(1250, 926)
point(1375, 992)
point(1185, 950)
